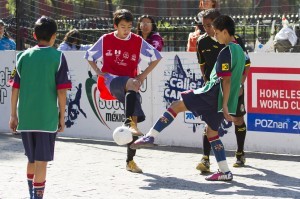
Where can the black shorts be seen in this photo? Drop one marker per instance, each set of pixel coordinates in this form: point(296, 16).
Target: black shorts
point(205, 105)
point(39, 146)
point(117, 88)
point(240, 109)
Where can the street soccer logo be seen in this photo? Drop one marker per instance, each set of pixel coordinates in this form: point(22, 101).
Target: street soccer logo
point(179, 81)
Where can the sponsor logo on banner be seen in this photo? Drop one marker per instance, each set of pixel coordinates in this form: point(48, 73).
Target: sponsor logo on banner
point(274, 100)
point(179, 81)
point(106, 111)
point(5, 74)
point(73, 106)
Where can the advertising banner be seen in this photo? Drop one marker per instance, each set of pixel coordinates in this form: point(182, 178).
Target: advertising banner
point(7, 64)
point(274, 100)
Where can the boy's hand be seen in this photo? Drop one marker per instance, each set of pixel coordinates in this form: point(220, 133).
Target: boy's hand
point(140, 79)
point(226, 114)
point(61, 125)
point(13, 123)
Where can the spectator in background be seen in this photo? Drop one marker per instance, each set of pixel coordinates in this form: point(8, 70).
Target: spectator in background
point(193, 36)
point(72, 41)
point(207, 4)
point(6, 42)
point(147, 29)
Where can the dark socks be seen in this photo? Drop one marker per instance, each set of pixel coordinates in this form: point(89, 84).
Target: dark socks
point(38, 189)
point(240, 132)
point(131, 152)
point(130, 99)
point(30, 184)
point(206, 146)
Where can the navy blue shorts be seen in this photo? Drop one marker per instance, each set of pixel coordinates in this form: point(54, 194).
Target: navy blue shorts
point(39, 146)
point(205, 105)
point(240, 109)
point(118, 89)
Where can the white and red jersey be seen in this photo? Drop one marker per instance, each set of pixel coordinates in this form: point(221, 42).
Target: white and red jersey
point(120, 57)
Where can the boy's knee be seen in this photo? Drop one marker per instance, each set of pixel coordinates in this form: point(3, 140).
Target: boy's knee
point(132, 84)
point(178, 106)
point(210, 132)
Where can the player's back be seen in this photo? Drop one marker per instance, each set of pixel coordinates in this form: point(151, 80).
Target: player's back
point(37, 68)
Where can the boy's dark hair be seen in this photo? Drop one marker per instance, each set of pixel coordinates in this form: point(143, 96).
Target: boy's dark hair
point(73, 36)
point(122, 14)
point(154, 27)
point(224, 22)
point(211, 14)
point(44, 28)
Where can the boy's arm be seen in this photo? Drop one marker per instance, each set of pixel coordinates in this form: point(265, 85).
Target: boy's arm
point(226, 91)
point(13, 122)
point(95, 68)
point(62, 99)
point(141, 77)
point(201, 60)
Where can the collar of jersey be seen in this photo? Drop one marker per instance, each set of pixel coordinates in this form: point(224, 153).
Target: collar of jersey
point(127, 38)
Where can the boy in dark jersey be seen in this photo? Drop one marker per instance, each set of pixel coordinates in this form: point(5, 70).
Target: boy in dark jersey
point(40, 82)
point(208, 50)
point(120, 53)
point(216, 100)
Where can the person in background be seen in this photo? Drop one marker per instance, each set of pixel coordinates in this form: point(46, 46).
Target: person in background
point(207, 4)
point(6, 42)
point(147, 29)
point(193, 36)
point(72, 41)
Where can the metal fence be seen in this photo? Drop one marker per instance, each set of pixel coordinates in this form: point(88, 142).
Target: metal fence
point(174, 30)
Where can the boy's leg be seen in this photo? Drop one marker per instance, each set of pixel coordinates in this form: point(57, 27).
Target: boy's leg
point(38, 146)
point(240, 132)
point(219, 152)
point(30, 176)
point(130, 164)
point(39, 179)
point(165, 120)
point(204, 165)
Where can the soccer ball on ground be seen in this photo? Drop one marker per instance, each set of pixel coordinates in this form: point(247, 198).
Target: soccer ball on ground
point(122, 135)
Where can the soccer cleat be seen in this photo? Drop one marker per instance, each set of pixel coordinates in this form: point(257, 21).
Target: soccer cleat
point(145, 141)
point(131, 166)
point(204, 165)
point(240, 159)
point(220, 176)
point(132, 127)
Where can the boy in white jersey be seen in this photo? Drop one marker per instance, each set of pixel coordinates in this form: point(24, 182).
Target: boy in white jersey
point(120, 53)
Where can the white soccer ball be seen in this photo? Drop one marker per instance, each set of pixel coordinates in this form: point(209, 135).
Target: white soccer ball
point(122, 135)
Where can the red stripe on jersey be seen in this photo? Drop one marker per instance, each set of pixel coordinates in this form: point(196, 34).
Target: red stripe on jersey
point(15, 85)
point(64, 86)
point(223, 74)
